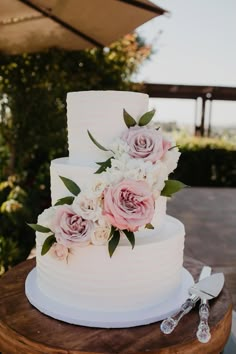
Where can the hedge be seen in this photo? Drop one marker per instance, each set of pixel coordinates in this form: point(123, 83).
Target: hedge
point(207, 162)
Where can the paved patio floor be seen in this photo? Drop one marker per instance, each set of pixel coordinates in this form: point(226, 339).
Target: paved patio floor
point(209, 216)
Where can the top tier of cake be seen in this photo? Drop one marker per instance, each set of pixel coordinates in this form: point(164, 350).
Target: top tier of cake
point(100, 112)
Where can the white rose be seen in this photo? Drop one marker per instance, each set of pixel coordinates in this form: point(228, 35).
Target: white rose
point(115, 173)
point(101, 235)
point(98, 186)
point(126, 167)
point(119, 147)
point(171, 159)
point(87, 206)
point(59, 252)
point(157, 174)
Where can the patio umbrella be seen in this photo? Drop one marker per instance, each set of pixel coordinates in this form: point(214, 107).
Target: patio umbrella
point(34, 25)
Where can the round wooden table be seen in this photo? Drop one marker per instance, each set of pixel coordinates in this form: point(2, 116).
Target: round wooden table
point(24, 330)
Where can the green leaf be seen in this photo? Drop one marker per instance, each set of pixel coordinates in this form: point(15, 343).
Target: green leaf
point(129, 121)
point(96, 143)
point(172, 186)
point(39, 228)
point(50, 240)
point(149, 226)
point(66, 200)
point(111, 232)
point(146, 118)
point(114, 241)
point(103, 165)
point(70, 185)
point(130, 237)
point(173, 147)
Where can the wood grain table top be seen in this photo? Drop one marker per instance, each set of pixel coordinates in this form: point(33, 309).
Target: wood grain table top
point(24, 330)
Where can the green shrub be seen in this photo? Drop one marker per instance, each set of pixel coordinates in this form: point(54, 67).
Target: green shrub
point(207, 162)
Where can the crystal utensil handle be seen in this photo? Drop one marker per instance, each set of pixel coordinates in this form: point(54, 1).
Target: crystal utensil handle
point(168, 325)
point(203, 331)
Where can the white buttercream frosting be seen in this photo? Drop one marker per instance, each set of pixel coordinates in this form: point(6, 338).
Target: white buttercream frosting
point(132, 279)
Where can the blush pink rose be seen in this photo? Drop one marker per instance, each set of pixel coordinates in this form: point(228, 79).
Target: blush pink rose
point(146, 143)
point(59, 251)
point(129, 204)
point(71, 229)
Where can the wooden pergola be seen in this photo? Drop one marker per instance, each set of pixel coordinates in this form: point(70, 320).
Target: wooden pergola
point(205, 94)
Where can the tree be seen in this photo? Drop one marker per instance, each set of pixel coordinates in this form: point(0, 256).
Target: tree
point(33, 90)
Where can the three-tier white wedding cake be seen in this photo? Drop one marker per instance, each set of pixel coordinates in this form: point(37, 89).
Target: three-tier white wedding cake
point(106, 245)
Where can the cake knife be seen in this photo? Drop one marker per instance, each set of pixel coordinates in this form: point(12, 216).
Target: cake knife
point(203, 331)
point(207, 288)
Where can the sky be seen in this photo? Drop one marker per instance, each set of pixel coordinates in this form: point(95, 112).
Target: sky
point(195, 44)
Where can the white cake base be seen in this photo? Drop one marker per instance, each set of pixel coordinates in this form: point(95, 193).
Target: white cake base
point(114, 319)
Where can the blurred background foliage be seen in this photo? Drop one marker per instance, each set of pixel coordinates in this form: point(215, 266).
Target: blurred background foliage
point(33, 91)
point(207, 162)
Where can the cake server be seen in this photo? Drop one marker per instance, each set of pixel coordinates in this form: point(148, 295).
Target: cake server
point(207, 288)
point(168, 325)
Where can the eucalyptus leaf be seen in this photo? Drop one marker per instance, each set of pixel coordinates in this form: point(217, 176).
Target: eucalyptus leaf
point(114, 241)
point(50, 240)
point(103, 165)
point(146, 118)
point(96, 143)
point(70, 185)
point(66, 200)
point(129, 121)
point(39, 228)
point(149, 226)
point(172, 186)
point(130, 237)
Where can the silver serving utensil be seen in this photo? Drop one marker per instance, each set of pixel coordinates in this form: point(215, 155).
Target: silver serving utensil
point(207, 288)
point(168, 325)
point(203, 331)
point(205, 272)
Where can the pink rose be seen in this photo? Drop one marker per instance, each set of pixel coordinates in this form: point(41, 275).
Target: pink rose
point(129, 204)
point(146, 143)
point(71, 229)
point(59, 251)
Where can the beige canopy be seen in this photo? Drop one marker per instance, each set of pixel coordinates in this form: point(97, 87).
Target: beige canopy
point(34, 25)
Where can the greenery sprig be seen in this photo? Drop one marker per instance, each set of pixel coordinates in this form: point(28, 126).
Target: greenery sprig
point(104, 165)
point(49, 241)
point(72, 187)
point(96, 142)
point(172, 186)
point(114, 239)
point(143, 120)
point(65, 200)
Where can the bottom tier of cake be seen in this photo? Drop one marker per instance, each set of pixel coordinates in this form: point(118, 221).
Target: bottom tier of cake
point(132, 279)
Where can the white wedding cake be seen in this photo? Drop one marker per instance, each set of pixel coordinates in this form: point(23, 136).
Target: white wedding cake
point(106, 245)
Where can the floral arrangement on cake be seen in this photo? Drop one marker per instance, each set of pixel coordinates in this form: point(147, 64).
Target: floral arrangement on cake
point(122, 198)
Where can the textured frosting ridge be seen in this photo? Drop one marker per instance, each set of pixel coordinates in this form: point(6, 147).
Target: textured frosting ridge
point(132, 279)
